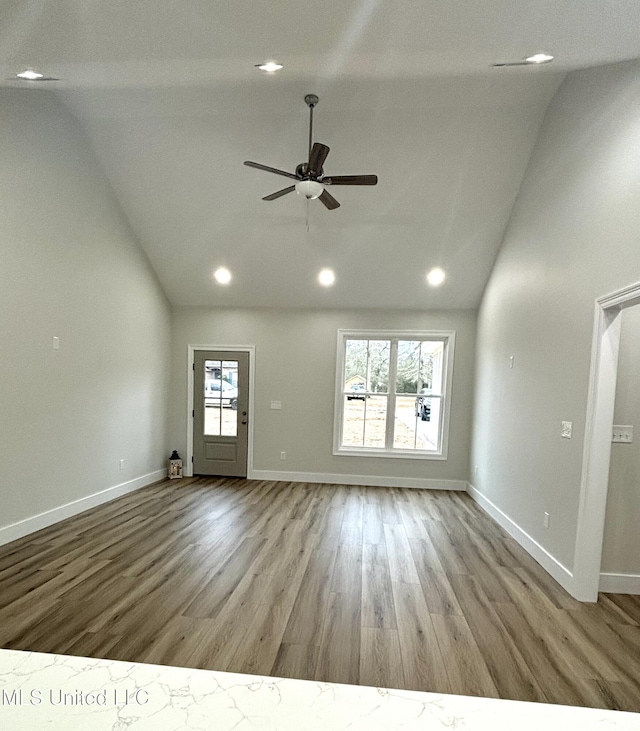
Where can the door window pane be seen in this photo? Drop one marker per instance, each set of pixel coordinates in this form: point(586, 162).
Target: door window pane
point(229, 396)
point(230, 372)
point(221, 398)
point(212, 397)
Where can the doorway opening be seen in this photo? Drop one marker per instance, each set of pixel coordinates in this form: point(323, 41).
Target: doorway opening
point(597, 444)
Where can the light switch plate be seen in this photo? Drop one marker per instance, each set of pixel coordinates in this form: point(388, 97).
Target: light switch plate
point(567, 427)
point(622, 434)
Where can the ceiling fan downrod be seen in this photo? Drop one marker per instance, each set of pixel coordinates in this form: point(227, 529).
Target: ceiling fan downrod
point(311, 100)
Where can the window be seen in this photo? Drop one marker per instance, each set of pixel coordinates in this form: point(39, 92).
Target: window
point(393, 393)
point(220, 398)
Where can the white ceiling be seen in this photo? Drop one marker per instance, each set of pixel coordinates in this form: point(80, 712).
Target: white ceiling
point(172, 105)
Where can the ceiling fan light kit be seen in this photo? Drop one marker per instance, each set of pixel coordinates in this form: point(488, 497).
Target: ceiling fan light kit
point(309, 189)
point(311, 182)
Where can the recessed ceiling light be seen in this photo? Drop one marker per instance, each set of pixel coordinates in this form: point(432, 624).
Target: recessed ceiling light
point(326, 277)
point(222, 275)
point(30, 75)
point(269, 66)
point(534, 60)
point(435, 277)
point(539, 58)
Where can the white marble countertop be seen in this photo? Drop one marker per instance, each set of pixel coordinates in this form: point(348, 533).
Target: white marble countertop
point(56, 692)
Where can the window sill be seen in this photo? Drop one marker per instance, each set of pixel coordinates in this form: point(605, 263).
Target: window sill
point(395, 454)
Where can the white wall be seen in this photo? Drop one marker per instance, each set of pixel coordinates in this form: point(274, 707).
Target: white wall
point(621, 548)
point(71, 268)
point(574, 235)
point(296, 364)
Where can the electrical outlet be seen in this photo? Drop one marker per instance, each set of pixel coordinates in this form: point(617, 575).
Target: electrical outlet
point(283, 455)
point(546, 520)
point(276, 405)
point(567, 427)
point(475, 470)
point(622, 434)
point(121, 464)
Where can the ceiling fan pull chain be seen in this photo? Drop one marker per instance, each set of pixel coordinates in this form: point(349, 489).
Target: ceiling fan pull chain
point(307, 215)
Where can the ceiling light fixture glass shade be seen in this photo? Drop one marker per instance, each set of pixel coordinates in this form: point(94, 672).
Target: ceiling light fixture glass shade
point(309, 189)
point(539, 58)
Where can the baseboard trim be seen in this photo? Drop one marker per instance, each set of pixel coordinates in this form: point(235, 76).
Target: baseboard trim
point(55, 515)
point(548, 562)
point(620, 583)
point(374, 480)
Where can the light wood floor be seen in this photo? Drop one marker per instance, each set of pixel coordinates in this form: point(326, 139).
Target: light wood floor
point(378, 586)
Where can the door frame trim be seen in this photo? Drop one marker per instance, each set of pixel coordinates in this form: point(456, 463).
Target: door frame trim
point(594, 483)
point(191, 349)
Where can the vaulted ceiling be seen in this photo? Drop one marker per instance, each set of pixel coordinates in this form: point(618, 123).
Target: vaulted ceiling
point(172, 104)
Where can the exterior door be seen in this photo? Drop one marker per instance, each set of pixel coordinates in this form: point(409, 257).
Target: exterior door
point(220, 406)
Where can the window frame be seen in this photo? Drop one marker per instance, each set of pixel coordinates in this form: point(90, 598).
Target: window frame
point(446, 336)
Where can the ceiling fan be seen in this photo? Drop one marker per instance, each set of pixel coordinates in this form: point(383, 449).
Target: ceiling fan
point(311, 182)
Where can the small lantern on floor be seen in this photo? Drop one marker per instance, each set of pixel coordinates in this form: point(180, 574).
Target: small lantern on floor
point(175, 466)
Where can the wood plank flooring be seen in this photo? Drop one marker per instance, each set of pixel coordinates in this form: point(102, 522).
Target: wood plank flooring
point(364, 585)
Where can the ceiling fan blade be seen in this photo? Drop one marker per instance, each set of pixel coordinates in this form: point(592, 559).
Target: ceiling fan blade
point(284, 191)
point(267, 169)
point(317, 156)
point(329, 201)
point(351, 180)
